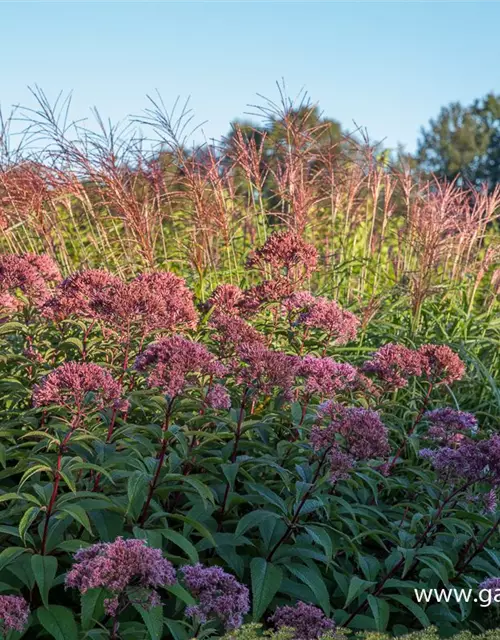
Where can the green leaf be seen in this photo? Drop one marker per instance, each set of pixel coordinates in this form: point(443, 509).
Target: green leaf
point(357, 586)
point(79, 514)
point(92, 603)
point(380, 610)
point(9, 555)
point(314, 580)
point(321, 537)
point(153, 619)
point(266, 580)
point(270, 496)
point(413, 607)
point(27, 520)
point(44, 570)
point(181, 593)
point(183, 543)
point(58, 621)
point(253, 519)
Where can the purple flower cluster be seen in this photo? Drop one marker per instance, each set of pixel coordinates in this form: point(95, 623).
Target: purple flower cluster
point(226, 299)
point(218, 397)
point(470, 461)
point(286, 253)
point(219, 595)
point(340, 325)
point(352, 433)
point(307, 621)
point(70, 384)
point(119, 566)
point(325, 376)
point(265, 370)
point(394, 364)
point(232, 331)
point(448, 426)
point(14, 612)
point(492, 585)
point(158, 300)
point(28, 273)
point(174, 362)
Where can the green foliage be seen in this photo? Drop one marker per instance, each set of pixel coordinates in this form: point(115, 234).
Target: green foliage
point(463, 142)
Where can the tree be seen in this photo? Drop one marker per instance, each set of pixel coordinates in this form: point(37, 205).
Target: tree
point(463, 143)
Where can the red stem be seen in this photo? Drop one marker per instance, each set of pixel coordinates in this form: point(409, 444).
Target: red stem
point(57, 478)
point(161, 457)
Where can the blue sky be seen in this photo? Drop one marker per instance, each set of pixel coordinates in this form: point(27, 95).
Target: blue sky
point(389, 66)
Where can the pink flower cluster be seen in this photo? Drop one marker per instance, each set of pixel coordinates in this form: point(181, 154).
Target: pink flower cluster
point(264, 370)
point(14, 612)
point(158, 300)
point(219, 595)
point(394, 364)
point(307, 621)
point(324, 376)
point(121, 566)
point(74, 383)
point(340, 326)
point(352, 433)
point(174, 362)
point(286, 253)
point(218, 397)
point(29, 274)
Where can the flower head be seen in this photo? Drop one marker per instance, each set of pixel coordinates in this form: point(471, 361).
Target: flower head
point(219, 595)
point(394, 364)
point(471, 461)
point(231, 331)
point(174, 362)
point(225, 299)
point(218, 397)
point(14, 612)
point(325, 376)
point(265, 370)
point(29, 274)
point(161, 300)
point(490, 584)
point(90, 293)
point(448, 426)
point(118, 565)
point(71, 384)
point(307, 621)
point(286, 253)
point(352, 434)
point(440, 364)
point(340, 325)
point(267, 291)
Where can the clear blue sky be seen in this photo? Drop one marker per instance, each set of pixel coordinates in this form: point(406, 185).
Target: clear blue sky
point(389, 66)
